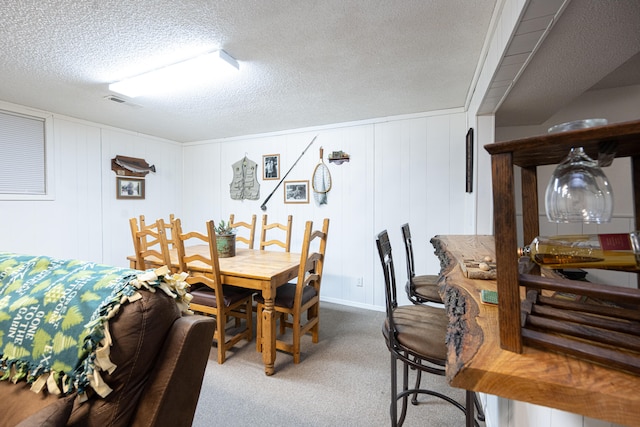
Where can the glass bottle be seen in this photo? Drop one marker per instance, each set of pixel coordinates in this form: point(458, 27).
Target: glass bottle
point(606, 251)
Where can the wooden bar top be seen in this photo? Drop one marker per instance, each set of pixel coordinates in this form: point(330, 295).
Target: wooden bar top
point(476, 361)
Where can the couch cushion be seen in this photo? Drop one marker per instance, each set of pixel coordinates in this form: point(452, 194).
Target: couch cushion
point(18, 402)
point(55, 414)
point(138, 331)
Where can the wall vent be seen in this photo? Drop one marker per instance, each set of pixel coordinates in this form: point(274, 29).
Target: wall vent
point(119, 100)
point(115, 99)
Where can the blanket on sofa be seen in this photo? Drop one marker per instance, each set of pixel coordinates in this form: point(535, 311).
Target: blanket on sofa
point(54, 318)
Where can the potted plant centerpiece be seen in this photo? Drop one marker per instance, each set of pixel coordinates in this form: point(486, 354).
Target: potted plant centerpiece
point(226, 240)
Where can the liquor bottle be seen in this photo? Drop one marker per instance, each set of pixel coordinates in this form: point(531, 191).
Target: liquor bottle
point(605, 251)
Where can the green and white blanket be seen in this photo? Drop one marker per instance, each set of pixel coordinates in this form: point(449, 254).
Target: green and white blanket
point(54, 314)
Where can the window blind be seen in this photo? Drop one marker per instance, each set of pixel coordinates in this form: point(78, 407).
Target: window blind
point(22, 154)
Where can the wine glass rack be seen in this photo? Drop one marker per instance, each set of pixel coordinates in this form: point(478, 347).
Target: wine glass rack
point(607, 332)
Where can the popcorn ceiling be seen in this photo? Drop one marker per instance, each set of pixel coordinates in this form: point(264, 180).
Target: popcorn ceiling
point(302, 63)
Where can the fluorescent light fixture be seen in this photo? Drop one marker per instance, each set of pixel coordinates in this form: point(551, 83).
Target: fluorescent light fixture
point(190, 72)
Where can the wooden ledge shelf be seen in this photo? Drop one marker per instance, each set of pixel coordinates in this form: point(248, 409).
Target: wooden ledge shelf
point(338, 160)
point(477, 362)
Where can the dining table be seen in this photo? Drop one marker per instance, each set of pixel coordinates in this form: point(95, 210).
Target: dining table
point(256, 269)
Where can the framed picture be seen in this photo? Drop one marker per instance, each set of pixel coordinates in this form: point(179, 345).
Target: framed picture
point(296, 191)
point(129, 188)
point(271, 166)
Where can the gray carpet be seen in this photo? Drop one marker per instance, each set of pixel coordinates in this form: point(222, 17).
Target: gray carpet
point(341, 381)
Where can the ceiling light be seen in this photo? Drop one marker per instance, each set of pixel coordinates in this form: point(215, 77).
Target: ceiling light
point(190, 72)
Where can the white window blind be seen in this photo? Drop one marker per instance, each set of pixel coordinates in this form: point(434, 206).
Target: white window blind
point(22, 154)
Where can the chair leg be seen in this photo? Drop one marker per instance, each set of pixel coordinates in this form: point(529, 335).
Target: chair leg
point(469, 408)
point(221, 325)
point(249, 317)
point(393, 408)
point(479, 409)
point(296, 338)
point(283, 322)
point(471, 400)
point(414, 399)
point(259, 328)
point(405, 387)
point(315, 330)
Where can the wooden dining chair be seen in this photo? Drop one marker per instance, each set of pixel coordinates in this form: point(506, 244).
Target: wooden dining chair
point(298, 304)
point(423, 288)
point(286, 243)
point(210, 296)
point(168, 230)
point(250, 226)
point(415, 335)
point(150, 244)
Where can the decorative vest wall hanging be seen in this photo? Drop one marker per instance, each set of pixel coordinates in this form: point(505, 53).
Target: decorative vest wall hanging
point(245, 180)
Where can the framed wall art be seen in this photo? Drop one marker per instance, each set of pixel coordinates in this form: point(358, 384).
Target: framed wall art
point(129, 188)
point(271, 166)
point(296, 191)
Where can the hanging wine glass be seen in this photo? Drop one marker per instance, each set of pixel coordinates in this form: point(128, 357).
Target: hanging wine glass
point(579, 191)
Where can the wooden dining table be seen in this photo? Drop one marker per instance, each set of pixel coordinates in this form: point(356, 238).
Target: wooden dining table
point(255, 269)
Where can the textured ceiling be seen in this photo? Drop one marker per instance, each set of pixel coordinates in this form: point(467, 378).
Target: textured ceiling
point(593, 45)
point(302, 63)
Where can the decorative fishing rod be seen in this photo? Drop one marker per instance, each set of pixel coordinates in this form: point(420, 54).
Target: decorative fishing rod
point(264, 204)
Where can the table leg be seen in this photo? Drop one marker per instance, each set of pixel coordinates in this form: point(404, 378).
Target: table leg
point(268, 335)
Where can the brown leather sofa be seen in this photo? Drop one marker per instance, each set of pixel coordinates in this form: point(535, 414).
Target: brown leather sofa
point(161, 357)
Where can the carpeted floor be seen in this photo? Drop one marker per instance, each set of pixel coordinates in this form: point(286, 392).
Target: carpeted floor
point(341, 381)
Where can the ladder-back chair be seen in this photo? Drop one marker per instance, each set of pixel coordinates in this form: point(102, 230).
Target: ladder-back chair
point(250, 226)
point(150, 244)
point(286, 243)
point(168, 230)
point(210, 296)
point(298, 304)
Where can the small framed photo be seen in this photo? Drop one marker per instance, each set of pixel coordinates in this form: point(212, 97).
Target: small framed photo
point(271, 166)
point(129, 188)
point(296, 191)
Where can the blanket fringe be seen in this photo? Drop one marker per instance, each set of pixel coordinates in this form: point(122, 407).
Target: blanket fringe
point(97, 354)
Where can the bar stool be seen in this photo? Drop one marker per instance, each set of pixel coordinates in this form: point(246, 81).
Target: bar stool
point(423, 288)
point(420, 290)
point(415, 335)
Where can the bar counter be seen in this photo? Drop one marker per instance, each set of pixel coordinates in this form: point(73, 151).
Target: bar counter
point(476, 361)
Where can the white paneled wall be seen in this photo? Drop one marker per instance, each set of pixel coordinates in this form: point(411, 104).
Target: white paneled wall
point(70, 225)
point(163, 188)
point(405, 169)
point(85, 220)
point(401, 170)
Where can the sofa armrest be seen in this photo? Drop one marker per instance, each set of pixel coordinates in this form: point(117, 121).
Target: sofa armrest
point(173, 389)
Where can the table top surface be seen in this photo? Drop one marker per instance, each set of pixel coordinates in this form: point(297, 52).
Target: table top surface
point(250, 267)
point(536, 376)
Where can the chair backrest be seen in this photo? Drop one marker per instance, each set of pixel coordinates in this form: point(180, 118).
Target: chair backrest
point(311, 260)
point(150, 243)
point(406, 235)
point(206, 261)
point(169, 233)
point(286, 243)
point(386, 259)
point(251, 227)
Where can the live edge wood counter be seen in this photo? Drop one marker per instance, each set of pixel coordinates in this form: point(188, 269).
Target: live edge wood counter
point(476, 361)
